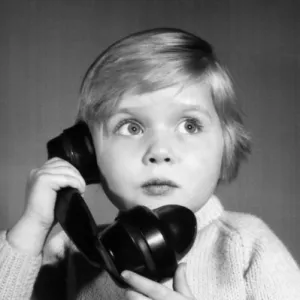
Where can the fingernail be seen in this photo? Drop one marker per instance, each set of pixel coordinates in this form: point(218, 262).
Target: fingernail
point(125, 274)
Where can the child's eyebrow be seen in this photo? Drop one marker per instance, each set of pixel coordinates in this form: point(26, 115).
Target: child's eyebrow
point(123, 110)
point(181, 109)
point(197, 108)
point(120, 111)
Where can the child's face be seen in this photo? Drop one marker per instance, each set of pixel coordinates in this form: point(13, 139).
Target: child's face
point(161, 148)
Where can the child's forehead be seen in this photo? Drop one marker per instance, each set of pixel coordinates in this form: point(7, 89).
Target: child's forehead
point(179, 97)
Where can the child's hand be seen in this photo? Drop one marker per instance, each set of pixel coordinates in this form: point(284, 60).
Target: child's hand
point(30, 232)
point(144, 288)
point(43, 185)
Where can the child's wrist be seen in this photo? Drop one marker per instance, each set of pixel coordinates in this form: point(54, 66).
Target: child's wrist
point(28, 236)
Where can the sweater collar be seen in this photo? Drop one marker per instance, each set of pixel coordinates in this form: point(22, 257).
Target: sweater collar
point(209, 212)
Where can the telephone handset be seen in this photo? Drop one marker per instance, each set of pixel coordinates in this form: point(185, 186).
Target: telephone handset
point(148, 242)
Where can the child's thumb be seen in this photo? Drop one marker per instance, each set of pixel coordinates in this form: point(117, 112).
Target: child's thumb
point(180, 284)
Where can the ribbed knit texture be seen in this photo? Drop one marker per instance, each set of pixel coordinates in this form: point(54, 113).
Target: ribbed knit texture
point(18, 272)
point(235, 257)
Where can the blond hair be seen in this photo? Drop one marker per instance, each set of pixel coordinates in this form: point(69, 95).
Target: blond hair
point(155, 59)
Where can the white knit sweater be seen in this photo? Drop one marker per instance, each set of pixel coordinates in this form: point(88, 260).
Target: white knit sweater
point(235, 256)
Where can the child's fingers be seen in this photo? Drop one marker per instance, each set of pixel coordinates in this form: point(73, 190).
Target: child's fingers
point(58, 166)
point(58, 181)
point(133, 295)
point(58, 162)
point(54, 160)
point(58, 178)
point(64, 180)
point(180, 283)
point(146, 287)
point(67, 170)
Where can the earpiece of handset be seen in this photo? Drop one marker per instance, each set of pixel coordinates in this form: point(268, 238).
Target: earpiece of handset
point(75, 145)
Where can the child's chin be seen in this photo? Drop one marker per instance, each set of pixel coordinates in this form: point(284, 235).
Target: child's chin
point(152, 202)
point(155, 202)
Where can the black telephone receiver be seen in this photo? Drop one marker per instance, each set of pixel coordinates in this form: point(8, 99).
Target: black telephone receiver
point(148, 242)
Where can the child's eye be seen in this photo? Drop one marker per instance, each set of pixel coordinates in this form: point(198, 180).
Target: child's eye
point(128, 127)
point(190, 126)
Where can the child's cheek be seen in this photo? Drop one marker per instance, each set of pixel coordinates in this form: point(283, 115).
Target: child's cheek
point(118, 153)
point(206, 152)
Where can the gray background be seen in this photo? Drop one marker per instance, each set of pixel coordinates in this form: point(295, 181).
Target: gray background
point(46, 46)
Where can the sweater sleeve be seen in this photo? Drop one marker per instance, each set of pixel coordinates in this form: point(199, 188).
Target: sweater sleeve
point(272, 273)
point(51, 282)
point(18, 271)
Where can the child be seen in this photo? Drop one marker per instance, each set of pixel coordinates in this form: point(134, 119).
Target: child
point(166, 129)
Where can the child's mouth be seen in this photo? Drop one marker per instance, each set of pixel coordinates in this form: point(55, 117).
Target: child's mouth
point(158, 187)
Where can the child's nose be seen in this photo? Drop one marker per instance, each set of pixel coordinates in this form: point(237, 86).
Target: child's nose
point(160, 151)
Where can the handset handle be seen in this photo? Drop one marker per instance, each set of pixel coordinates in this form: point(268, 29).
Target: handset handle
point(75, 145)
point(75, 218)
point(77, 221)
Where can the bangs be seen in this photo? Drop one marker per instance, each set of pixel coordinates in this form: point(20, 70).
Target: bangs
point(141, 64)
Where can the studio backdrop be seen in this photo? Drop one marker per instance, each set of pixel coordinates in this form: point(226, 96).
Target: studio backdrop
point(46, 47)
